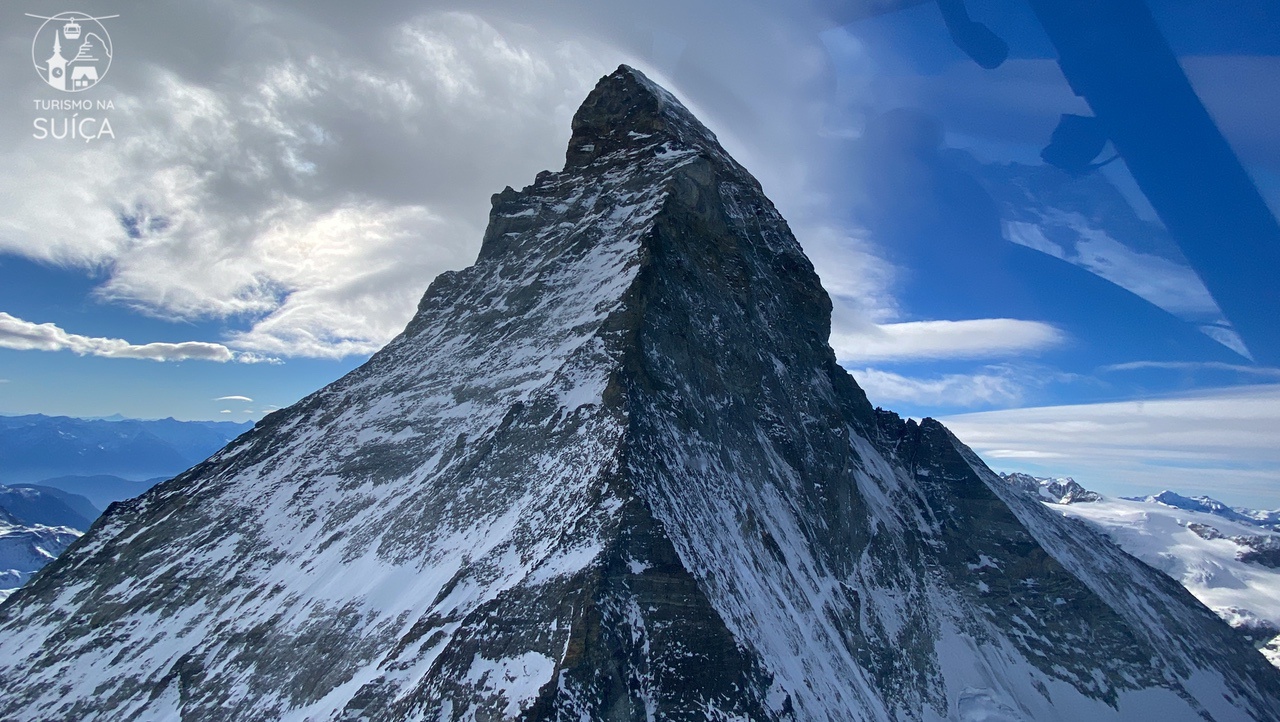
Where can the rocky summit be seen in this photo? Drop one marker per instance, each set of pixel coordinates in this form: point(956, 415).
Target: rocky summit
point(612, 471)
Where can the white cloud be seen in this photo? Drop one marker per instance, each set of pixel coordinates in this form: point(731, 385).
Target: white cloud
point(858, 279)
point(306, 182)
point(350, 277)
point(1193, 366)
point(920, 340)
point(309, 201)
point(21, 335)
point(1022, 454)
point(991, 387)
point(245, 399)
point(1219, 442)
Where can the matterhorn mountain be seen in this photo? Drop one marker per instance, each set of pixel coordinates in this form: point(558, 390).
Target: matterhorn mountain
point(612, 471)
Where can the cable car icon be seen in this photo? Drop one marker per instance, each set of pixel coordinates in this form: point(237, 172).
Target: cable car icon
point(71, 31)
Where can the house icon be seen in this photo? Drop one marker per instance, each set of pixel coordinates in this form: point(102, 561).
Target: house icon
point(83, 76)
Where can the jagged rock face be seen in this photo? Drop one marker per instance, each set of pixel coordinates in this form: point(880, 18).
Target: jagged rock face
point(611, 472)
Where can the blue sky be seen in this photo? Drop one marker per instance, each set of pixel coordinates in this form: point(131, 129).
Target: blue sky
point(286, 180)
point(1123, 374)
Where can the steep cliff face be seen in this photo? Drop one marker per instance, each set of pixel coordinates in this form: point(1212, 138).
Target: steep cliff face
point(612, 471)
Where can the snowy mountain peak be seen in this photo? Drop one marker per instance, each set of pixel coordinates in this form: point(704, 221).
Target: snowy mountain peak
point(1269, 520)
point(625, 111)
point(1057, 490)
point(1172, 498)
point(612, 471)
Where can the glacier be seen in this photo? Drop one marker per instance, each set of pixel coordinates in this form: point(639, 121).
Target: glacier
point(1226, 557)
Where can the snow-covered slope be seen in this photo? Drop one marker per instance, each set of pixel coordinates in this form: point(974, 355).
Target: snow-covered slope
point(612, 471)
point(36, 525)
point(1228, 558)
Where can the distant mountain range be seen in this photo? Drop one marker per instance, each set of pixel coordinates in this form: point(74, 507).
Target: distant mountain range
point(99, 489)
point(1269, 520)
point(58, 474)
point(36, 524)
point(1228, 557)
point(34, 448)
point(1058, 490)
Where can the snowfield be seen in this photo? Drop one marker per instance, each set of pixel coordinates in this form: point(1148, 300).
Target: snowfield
point(1220, 556)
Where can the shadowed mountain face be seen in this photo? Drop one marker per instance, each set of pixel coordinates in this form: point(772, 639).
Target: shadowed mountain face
point(47, 506)
point(612, 471)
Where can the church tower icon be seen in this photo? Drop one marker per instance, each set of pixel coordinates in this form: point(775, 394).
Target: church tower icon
point(57, 65)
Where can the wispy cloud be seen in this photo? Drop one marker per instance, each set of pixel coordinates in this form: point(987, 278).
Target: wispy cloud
point(1193, 366)
point(21, 335)
point(1220, 442)
point(245, 399)
point(266, 211)
point(986, 388)
point(859, 280)
point(932, 340)
point(1022, 454)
